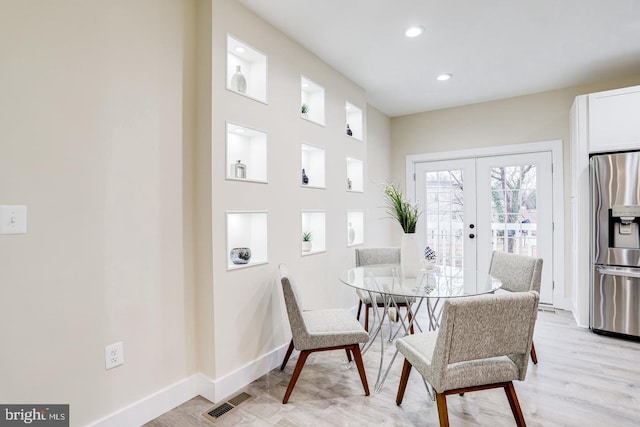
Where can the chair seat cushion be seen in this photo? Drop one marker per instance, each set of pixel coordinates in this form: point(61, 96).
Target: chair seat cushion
point(484, 371)
point(329, 328)
point(418, 350)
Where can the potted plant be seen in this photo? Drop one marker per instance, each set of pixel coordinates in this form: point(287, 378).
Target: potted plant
point(407, 215)
point(306, 241)
point(400, 209)
point(305, 110)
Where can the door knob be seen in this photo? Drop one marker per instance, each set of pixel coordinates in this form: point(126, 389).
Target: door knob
point(471, 236)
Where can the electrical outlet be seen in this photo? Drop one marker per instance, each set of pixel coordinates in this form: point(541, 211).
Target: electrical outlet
point(113, 355)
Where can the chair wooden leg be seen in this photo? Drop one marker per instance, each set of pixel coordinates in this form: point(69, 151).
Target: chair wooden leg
point(410, 316)
point(534, 357)
point(404, 378)
point(515, 406)
point(366, 317)
point(296, 373)
point(357, 355)
point(286, 356)
point(443, 414)
point(348, 354)
point(359, 310)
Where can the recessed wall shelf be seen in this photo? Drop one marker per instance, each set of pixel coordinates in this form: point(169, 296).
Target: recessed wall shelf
point(355, 175)
point(355, 228)
point(314, 222)
point(313, 166)
point(354, 121)
point(246, 70)
point(247, 230)
point(312, 96)
point(246, 153)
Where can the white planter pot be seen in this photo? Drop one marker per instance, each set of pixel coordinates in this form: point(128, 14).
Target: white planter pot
point(306, 246)
point(410, 260)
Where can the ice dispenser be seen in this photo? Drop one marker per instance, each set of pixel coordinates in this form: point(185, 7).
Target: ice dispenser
point(625, 230)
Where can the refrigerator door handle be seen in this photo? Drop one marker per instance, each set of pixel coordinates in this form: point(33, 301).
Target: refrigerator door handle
point(627, 272)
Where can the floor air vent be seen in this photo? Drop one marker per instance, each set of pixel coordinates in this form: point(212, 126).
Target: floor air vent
point(226, 407)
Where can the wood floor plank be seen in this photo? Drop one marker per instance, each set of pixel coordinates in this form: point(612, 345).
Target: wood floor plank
point(582, 379)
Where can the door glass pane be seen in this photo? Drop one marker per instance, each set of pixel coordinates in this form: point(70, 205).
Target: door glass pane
point(513, 209)
point(444, 215)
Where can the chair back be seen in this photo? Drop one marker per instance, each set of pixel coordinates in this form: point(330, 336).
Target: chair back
point(518, 273)
point(372, 256)
point(293, 305)
point(485, 326)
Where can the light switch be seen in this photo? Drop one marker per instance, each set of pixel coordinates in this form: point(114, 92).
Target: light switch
point(13, 219)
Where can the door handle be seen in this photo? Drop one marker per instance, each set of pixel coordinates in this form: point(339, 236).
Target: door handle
point(620, 273)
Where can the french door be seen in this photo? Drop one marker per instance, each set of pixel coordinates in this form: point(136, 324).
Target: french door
point(474, 206)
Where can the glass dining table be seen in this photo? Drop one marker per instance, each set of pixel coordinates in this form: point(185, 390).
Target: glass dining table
point(387, 284)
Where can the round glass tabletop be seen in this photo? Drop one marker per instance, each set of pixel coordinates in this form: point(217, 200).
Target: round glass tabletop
point(438, 282)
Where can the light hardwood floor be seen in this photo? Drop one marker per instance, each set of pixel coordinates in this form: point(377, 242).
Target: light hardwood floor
point(582, 379)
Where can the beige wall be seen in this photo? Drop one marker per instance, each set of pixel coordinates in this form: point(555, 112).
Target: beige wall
point(531, 118)
point(249, 316)
point(96, 128)
point(112, 121)
point(378, 172)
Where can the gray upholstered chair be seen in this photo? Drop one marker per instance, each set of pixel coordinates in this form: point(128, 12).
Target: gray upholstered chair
point(373, 256)
point(483, 342)
point(319, 330)
point(518, 273)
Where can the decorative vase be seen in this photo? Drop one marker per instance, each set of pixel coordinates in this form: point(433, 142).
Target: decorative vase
point(305, 178)
point(240, 255)
point(352, 234)
point(240, 170)
point(238, 82)
point(410, 259)
point(306, 246)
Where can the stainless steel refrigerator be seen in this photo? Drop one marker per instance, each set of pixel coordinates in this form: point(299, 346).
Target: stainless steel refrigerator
point(615, 250)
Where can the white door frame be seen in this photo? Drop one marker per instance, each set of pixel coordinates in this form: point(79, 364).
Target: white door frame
point(555, 147)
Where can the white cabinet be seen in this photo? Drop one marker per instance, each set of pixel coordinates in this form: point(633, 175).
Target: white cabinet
point(600, 122)
point(614, 120)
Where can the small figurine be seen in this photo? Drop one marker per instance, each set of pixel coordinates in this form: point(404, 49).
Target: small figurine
point(349, 130)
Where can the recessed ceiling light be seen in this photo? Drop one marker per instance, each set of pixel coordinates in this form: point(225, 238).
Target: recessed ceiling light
point(414, 31)
point(445, 76)
point(240, 49)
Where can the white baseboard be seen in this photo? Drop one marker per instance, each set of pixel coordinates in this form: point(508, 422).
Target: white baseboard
point(230, 383)
point(152, 406)
point(156, 404)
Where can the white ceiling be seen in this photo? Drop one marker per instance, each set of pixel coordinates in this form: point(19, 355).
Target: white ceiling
point(494, 48)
